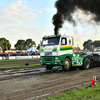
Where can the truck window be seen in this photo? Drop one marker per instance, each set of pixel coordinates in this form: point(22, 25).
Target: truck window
point(50, 41)
point(63, 41)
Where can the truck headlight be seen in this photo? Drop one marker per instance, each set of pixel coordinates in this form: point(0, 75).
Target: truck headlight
point(42, 54)
point(54, 53)
point(56, 58)
point(73, 54)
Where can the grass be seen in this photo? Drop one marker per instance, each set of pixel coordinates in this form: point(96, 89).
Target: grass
point(83, 93)
point(14, 66)
point(19, 59)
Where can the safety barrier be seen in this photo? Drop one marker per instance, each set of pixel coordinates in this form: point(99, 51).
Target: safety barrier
point(18, 57)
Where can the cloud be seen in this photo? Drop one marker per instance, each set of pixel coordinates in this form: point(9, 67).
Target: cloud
point(45, 9)
point(41, 10)
point(16, 13)
point(14, 23)
point(14, 33)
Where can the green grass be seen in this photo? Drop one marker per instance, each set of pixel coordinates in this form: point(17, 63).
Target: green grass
point(20, 59)
point(83, 93)
point(18, 66)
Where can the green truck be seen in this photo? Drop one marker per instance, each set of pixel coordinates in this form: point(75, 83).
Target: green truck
point(57, 50)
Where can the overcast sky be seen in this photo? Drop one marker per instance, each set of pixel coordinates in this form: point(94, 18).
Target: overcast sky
point(24, 19)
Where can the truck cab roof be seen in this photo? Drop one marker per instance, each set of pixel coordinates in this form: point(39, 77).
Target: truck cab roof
point(54, 36)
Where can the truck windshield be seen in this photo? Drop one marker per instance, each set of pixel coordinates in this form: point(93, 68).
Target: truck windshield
point(50, 41)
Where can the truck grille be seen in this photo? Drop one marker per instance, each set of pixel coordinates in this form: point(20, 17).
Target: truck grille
point(48, 59)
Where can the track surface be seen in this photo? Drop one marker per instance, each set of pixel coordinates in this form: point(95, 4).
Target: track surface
point(33, 83)
point(18, 62)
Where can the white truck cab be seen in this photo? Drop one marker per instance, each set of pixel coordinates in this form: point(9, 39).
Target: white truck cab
point(58, 50)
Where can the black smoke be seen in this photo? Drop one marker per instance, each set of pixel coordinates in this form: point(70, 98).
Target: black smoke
point(65, 9)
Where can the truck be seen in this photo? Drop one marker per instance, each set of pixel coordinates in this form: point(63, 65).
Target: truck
point(57, 50)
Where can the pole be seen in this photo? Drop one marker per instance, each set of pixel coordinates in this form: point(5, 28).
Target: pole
point(95, 81)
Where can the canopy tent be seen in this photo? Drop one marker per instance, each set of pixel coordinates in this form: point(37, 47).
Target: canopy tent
point(32, 49)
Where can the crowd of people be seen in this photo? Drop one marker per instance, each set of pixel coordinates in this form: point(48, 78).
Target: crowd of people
point(19, 53)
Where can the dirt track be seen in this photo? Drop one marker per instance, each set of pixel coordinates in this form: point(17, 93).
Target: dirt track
point(10, 63)
point(37, 87)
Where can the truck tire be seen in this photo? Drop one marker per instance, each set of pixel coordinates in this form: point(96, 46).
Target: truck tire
point(49, 67)
point(67, 64)
point(86, 64)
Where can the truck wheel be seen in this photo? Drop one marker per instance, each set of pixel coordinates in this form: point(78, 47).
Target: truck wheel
point(49, 67)
point(86, 64)
point(67, 64)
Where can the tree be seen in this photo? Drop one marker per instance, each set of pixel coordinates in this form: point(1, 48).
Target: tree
point(96, 43)
point(88, 45)
point(29, 43)
point(20, 45)
point(5, 44)
point(38, 47)
point(24, 45)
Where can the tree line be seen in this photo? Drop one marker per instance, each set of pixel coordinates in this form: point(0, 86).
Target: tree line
point(26, 44)
point(90, 45)
point(20, 45)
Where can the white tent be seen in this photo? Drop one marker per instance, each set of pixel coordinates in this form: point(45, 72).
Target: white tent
point(32, 49)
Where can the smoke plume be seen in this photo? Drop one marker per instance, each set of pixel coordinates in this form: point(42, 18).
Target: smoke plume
point(65, 9)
